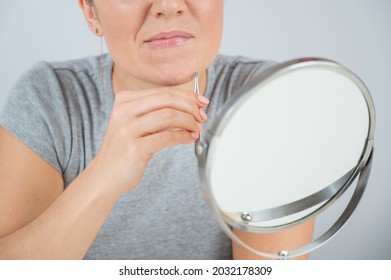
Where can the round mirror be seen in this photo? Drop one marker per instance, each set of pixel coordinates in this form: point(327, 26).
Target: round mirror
point(286, 147)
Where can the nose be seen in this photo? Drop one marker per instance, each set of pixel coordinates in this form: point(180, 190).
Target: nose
point(168, 8)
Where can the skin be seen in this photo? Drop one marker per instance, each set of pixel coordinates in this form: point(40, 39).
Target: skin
point(150, 85)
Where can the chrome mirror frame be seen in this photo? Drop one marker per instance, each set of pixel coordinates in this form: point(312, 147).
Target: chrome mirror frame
point(330, 194)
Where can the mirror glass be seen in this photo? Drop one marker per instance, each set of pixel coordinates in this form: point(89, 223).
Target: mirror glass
point(286, 145)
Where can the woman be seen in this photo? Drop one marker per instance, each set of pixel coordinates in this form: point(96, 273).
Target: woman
point(97, 155)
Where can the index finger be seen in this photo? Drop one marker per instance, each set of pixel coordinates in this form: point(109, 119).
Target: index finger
point(129, 96)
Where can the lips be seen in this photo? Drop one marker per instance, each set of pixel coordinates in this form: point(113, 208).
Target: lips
point(166, 40)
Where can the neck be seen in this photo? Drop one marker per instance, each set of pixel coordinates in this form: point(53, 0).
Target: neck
point(123, 82)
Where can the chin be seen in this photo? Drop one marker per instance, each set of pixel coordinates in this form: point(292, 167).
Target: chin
point(173, 70)
point(175, 81)
point(175, 77)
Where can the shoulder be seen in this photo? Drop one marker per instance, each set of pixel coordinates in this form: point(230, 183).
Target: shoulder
point(65, 82)
point(232, 72)
point(238, 60)
point(61, 99)
point(47, 72)
point(240, 65)
point(57, 76)
point(228, 74)
point(55, 90)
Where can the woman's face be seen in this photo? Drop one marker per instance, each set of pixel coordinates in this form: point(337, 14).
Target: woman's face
point(161, 42)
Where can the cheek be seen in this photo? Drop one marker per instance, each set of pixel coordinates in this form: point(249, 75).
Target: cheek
point(116, 32)
point(211, 18)
point(119, 31)
point(212, 25)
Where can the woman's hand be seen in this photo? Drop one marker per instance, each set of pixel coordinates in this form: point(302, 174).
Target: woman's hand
point(141, 124)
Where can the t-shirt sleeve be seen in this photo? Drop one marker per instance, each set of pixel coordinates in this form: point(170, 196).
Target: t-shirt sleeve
point(245, 69)
point(35, 113)
point(258, 69)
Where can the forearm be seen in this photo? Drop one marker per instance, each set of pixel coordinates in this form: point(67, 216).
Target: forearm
point(68, 227)
point(272, 243)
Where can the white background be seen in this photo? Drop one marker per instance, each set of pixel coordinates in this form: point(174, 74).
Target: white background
point(356, 33)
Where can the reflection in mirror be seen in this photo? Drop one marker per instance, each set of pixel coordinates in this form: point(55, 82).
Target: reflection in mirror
point(287, 145)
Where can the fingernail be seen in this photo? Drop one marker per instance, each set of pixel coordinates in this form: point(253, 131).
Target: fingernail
point(204, 117)
point(195, 135)
point(203, 99)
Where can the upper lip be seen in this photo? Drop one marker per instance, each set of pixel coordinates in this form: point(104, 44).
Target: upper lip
point(169, 35)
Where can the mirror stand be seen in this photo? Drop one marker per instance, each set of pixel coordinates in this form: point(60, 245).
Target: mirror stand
point(364, 172)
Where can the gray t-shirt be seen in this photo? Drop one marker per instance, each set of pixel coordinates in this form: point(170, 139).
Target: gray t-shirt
point(61, 111)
